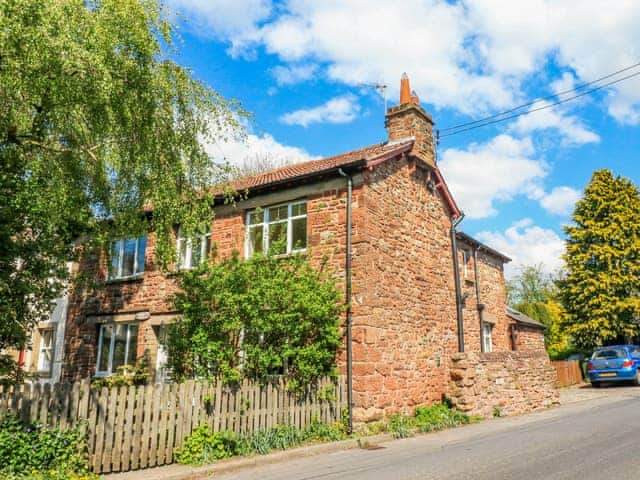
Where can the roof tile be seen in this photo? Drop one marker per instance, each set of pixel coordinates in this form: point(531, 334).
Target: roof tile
point(303, 169)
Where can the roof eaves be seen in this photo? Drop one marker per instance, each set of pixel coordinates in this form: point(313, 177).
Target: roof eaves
point(521, 318)
point(481, 246)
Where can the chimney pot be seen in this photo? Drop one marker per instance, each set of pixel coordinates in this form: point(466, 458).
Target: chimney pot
point(405, 89)
point(408, 119)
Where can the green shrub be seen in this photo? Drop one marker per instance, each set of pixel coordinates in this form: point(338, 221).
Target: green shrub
point(125, 376)
point(280, 437)
point(204, 446)
point(284, 311)
point(401, 426)
point(322, 432)
point(32, 450)
point(437, 417)
point(428, 419)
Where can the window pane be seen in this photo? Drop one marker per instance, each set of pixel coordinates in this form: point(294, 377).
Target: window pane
point(278, 213)
point(256, 217)
point(255, 240)
point(196, 251)
point(182, 253)
point(299, 234)
point(206, 248)
point(119, 347)
point(46, 349)
point(103, 361)
point(142, 248)
point(278, 238)
point(128, 257)
point(133, 345)
point(115, 259)
point(298, 209)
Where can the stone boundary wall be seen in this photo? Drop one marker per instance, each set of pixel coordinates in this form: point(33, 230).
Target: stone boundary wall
point(508, 383)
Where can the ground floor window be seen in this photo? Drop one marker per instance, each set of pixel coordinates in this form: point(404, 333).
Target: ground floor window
point(117, 345)
point(46, 349)
point(487, 343)
point(162, 370)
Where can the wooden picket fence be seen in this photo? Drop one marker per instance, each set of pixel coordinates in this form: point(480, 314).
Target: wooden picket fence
point(569, 373)
point(131, 428)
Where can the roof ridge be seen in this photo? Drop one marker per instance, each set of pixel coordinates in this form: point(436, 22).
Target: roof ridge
point(318, 165)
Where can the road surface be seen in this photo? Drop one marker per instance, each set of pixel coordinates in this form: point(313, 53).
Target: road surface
point(593, 439)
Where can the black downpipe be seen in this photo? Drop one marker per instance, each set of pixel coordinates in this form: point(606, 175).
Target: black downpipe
point(348, 302)
point(478, 301)
point(456, 275)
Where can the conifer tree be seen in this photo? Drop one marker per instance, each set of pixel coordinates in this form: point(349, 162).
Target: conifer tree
point(601, 289)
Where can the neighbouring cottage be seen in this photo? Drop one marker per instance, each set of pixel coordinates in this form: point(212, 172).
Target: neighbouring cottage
point(409, 312)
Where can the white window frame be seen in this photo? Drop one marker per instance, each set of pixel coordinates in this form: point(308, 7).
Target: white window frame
point(109, 371)
point(464, 263)
point(265, 228)
point(43, 349)
point(487, 336)
point(204, 251)
point(118, 275)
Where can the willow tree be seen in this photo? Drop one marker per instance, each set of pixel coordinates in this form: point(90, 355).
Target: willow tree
point(602, 285)
point(96, 123)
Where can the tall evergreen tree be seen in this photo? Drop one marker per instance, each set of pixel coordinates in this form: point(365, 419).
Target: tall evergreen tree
point(601, 289)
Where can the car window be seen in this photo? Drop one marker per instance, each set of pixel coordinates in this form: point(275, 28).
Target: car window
point(635, 352)
point(610, 353)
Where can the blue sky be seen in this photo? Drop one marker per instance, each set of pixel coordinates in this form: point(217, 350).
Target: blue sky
point(307, 71)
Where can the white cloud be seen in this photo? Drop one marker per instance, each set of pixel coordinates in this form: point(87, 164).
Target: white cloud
point(572, 130)
point(472, 55)
point(294, 74)
point(488, 172)
point(526, 244)
point(343, 109)
point(240, 151)
point(561, 200)
point(233, 20)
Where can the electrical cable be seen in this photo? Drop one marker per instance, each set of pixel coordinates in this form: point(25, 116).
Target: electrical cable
point(558, 94)
point(490, 120)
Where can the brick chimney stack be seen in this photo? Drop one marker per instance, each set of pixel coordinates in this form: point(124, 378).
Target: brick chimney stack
point(409, 119)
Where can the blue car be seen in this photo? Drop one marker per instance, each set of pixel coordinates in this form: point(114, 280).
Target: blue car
point(617, 363)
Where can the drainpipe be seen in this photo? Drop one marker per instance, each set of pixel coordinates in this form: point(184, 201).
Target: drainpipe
point(348, 302)
point(479, 303)
point(456, 274)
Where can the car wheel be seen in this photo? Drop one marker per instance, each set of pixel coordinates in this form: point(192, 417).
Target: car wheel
point(636, 379)
point(595, 384)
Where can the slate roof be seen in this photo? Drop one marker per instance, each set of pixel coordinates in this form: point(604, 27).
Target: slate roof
point(476, 243)
point(523, 319)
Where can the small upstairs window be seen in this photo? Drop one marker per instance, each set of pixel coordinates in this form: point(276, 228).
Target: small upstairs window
point(192, 251)
point(127, 258)
point(280, 229)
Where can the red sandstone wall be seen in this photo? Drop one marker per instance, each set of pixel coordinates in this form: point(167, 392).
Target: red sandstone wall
point(148, 293)
point(404, 314)
point(504, 383)
point(530, 338)
point(326, 229)
point(493, 295)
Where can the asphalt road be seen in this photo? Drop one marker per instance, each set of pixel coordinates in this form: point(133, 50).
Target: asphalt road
point(591, 439)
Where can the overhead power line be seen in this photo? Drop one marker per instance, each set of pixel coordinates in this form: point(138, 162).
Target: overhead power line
point(503, 116)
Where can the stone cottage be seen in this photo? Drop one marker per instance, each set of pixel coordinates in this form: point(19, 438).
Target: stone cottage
point(386, 221)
